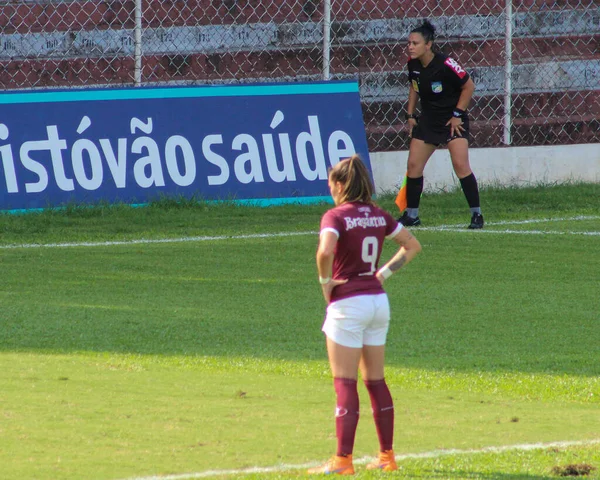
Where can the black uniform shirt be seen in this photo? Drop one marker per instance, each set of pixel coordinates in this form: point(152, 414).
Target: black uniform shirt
point(438, 85)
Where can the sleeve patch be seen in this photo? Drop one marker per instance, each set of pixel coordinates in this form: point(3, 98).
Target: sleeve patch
point(456, 68)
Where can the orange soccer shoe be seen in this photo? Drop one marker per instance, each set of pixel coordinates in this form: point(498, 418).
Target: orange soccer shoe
point(385, 462)
point(336, 465)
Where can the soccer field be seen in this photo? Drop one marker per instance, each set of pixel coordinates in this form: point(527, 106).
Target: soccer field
point(183, 341)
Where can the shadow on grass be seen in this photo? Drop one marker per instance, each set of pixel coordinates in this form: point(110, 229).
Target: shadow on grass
point(465, 475)
point(192, 316)
point(474, 304)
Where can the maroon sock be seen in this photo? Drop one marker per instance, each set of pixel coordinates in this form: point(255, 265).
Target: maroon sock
point(383, 412)
point(346, 414)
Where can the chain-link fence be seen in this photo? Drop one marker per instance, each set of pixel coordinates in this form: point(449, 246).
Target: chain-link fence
point(536, 63)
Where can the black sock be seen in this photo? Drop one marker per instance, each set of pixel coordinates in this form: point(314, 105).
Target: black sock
point(471, 191)
point(414, 188)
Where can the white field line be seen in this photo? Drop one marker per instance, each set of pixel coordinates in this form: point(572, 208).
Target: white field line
point(543, 220)
point(360, 461)
point(446, 228)
point(508, 232)
point(159, 240)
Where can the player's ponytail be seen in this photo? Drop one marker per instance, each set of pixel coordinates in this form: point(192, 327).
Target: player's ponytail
point(427, 30)
point(354, 176)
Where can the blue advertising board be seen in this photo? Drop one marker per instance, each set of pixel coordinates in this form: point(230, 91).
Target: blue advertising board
point(264, 142)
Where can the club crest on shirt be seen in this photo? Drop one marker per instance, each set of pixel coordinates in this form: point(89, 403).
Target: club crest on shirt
point(415, 85)
point(436, 87)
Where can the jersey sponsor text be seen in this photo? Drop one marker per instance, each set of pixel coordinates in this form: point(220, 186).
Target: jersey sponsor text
point(453, 64)
point(364, 222)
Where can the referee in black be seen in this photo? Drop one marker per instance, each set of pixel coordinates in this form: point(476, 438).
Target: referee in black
point(445, 90)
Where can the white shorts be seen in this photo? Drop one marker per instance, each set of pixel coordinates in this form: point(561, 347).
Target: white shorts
point(357, 321)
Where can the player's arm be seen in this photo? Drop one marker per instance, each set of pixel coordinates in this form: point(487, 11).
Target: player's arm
point(409, 248)
point(413, 96)
point(327, 241)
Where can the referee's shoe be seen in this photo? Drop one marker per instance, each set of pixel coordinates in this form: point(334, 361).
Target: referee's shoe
point(409, 221)
point(476, 221)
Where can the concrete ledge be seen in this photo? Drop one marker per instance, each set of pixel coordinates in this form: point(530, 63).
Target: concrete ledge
point(507, 166)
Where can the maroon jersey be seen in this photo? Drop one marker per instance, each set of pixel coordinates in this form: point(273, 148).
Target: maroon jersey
point(361, 230)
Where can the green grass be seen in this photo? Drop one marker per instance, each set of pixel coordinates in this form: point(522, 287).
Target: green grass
point(170, 219)
point(134, 360)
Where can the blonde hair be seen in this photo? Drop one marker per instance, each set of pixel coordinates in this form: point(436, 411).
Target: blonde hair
point(354, 176)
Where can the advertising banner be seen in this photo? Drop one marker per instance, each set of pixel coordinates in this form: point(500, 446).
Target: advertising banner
point(269, 143)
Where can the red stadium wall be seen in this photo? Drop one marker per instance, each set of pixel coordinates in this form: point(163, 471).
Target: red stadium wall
point(543, 114)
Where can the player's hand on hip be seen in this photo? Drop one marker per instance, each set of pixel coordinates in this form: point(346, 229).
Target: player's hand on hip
point(456, 127)
point(329, 286)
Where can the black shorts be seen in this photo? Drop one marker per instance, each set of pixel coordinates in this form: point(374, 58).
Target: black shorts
point(438, 133)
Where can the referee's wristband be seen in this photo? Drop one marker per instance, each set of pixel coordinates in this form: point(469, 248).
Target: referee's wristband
point(408, 116)
point(324, 281)
point(385, 272)
point(458, 113)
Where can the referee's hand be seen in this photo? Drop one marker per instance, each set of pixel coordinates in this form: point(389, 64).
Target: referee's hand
point(412, 123)
point(456, 127)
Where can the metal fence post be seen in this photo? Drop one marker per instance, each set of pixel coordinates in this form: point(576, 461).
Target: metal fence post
point(137, 78)
point(326, 39)
point(507, 120)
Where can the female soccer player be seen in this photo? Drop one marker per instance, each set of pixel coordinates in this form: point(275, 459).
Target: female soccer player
point(358, 312)
point(445, 90)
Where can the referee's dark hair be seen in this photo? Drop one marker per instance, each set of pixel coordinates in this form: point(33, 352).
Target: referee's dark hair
point(427, 30)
